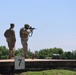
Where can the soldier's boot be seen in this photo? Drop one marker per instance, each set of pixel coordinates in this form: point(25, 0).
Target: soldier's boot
point(11, 57)
point(26, 56)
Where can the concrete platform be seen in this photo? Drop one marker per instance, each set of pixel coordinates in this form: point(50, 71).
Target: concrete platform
point(7, 65)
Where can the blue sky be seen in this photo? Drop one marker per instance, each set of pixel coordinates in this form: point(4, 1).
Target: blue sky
point(55, 21)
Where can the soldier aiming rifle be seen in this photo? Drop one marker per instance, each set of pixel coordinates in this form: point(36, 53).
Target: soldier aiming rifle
point(24, 35)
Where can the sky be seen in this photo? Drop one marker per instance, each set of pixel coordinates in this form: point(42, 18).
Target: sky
point(55, 21)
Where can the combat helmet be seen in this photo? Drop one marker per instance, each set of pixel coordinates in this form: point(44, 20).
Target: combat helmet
point(27, 26)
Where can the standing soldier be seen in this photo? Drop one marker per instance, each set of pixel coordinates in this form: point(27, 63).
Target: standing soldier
point(10, 38)
point(24, 34)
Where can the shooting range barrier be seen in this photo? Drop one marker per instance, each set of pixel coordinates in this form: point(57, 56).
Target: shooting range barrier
point(7, 66)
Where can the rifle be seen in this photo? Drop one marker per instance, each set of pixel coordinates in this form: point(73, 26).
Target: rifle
point(32, 30)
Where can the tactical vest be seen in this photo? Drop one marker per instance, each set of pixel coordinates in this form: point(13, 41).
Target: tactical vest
point(23, 33)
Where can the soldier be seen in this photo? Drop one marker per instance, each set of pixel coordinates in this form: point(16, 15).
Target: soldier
point(11, 39)
point(24, 34)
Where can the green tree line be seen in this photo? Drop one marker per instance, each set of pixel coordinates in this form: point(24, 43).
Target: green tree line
point(39, 54)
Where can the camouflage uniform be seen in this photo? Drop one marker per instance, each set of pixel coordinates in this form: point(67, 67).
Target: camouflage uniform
point(24, 39)
point(10, 38)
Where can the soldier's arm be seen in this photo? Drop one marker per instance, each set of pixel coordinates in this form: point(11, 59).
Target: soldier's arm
point(13, 35)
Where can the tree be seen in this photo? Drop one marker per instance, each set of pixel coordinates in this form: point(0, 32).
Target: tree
point(48, 52)
point(66, 55)
point(42, 54)
point(18, 52)
point(4, 52)
point(36, 54)
point(74, 54)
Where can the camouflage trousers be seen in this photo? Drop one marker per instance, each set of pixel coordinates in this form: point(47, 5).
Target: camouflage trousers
point(11, 45)
point(25, 47)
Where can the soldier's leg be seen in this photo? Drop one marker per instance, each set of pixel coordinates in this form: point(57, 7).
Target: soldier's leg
point(25, 48)
point(11, 53)
point(11, 50)
point(23, 51)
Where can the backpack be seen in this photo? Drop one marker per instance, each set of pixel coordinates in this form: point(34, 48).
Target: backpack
point(7, 33)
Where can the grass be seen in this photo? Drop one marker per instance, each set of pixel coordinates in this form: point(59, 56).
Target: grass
point(49, 72)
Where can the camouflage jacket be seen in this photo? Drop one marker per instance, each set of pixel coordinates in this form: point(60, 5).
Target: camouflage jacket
point(24, 33)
